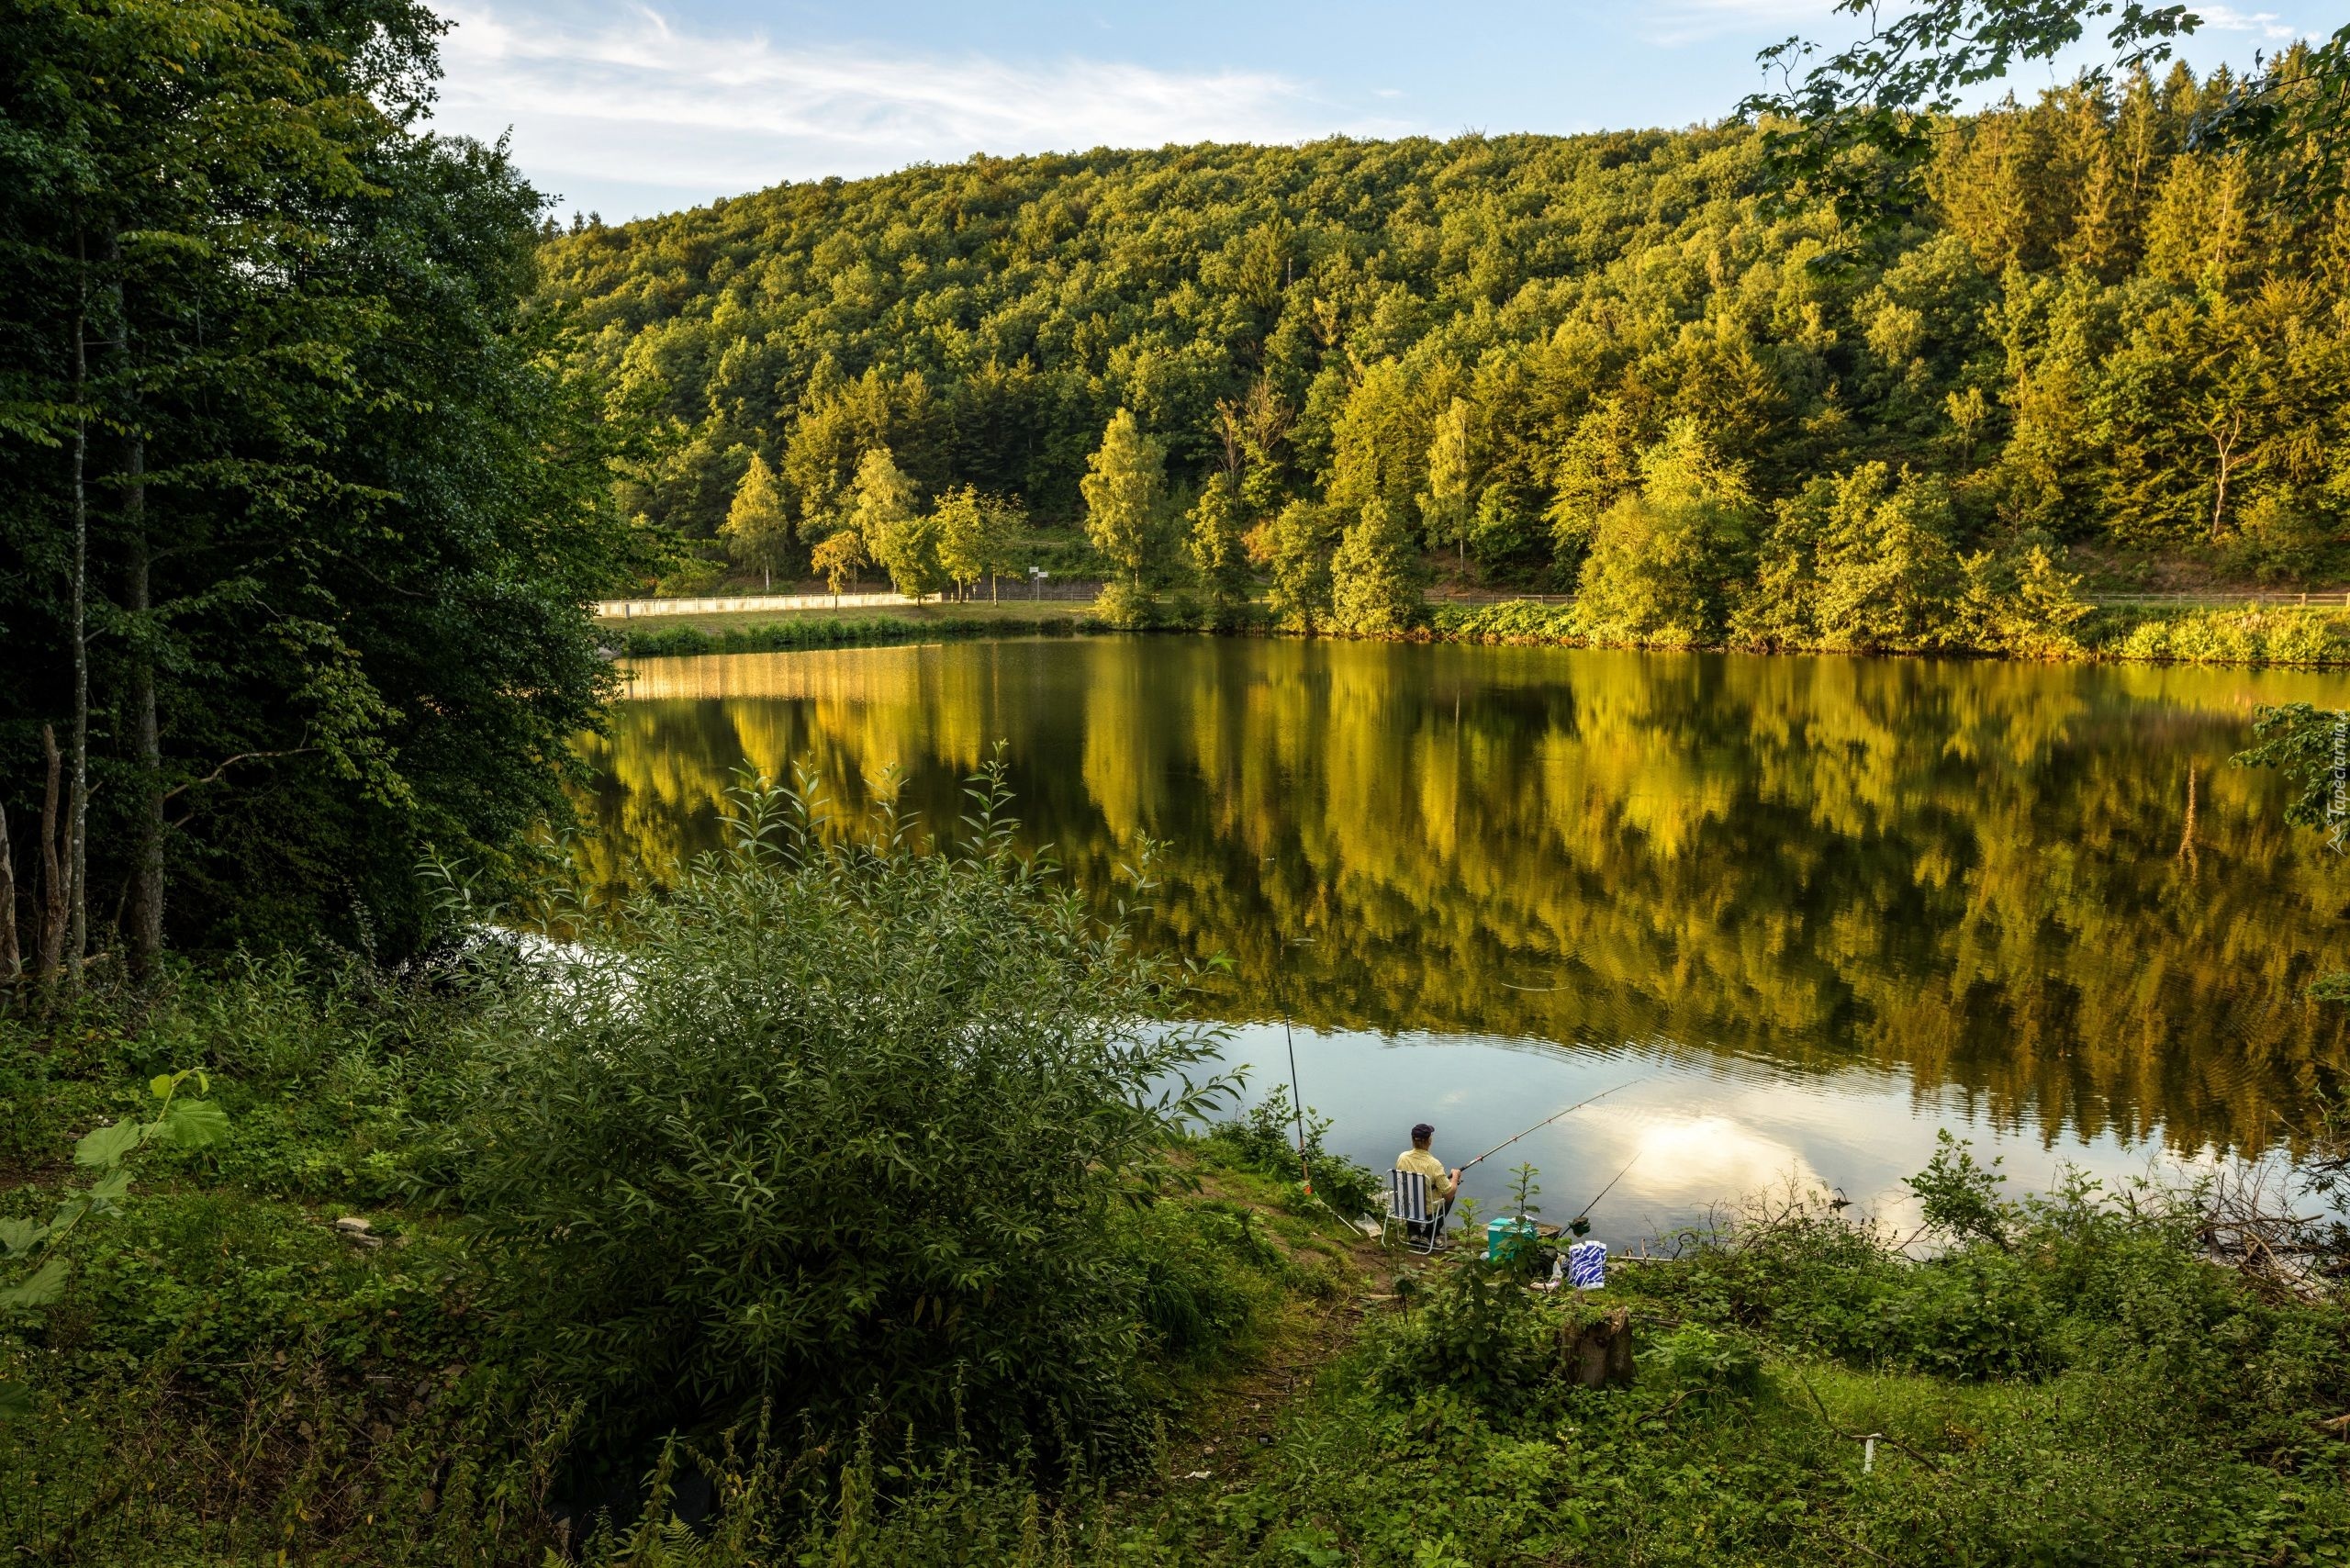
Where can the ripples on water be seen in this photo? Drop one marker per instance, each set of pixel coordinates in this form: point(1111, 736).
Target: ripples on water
point(1823, 906)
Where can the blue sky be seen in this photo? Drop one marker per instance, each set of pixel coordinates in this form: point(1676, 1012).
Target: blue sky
point(632, 109)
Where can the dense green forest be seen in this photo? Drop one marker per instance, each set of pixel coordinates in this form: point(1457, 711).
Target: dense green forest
point(299, 515)
point(2083, 334)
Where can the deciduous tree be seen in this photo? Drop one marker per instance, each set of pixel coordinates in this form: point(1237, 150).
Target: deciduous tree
point(975, 533)
point(840, 557)
point(1374, 576)
point(1124, 486)
point(1219, 551)
point(758, 529)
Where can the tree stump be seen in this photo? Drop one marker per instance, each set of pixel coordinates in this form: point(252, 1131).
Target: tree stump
point(1600, 1354)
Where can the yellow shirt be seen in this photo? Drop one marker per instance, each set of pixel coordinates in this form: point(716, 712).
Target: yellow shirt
point(1430, 1166)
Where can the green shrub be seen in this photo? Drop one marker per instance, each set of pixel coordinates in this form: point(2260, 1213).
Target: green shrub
point(1510, 621)
point(1972, 1313)
point(1131, 607)
point(1264, 1139)
point(2259, 635)
point(1476, 1330)
point(845, 1125)
point(1207, 1272)
point(1707, 1364)
point(1795, 1273)
point(1961, 1198)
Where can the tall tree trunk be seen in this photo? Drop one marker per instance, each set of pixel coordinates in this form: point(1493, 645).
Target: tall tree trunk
point(77, 815)
point(146, 921)
point(52, 865)
point(12, 959)
point(146, 899)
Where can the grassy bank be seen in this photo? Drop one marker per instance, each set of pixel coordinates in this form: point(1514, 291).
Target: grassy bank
point(768, 632)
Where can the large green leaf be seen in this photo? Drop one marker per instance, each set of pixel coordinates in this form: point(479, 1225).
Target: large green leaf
point(110, 1189)
point(108, 1146)
point(47, 1284)
point(16, 1401)
point(194, 1123)
point(17, 1234)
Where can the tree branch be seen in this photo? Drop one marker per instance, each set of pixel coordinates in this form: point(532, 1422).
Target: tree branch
point(214, 776)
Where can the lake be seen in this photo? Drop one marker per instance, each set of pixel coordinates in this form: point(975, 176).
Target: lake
point(1811, 910)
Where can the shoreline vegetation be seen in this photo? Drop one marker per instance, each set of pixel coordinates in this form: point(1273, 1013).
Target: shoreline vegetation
point(426, 1277)
point(2259, 635)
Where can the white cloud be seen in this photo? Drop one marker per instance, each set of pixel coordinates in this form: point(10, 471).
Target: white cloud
point(632, 97)
point(2228, 19)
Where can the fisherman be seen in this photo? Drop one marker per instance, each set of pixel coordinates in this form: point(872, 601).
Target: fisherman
point(1442, 1184)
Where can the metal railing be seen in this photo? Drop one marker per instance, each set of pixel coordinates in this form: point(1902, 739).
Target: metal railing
point(1009, 590)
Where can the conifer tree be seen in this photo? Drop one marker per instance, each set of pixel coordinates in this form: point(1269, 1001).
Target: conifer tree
point(1888, 576)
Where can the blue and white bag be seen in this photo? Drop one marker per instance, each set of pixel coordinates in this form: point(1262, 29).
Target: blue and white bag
point(1587, 1265)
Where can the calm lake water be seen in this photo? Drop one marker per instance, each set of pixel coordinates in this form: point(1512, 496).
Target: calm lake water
point(1812, 908)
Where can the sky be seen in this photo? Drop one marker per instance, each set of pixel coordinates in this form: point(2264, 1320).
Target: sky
point(630, 109)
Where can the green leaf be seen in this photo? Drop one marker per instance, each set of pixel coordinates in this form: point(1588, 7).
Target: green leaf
point(195, 1124)
point(160, 1086)
point(108, 1145)
point(48, 1284)
point(16, 1401)
point(18, 1235)
point(110, 1189)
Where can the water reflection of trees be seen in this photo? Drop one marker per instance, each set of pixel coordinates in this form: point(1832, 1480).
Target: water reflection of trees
point(1973, 871)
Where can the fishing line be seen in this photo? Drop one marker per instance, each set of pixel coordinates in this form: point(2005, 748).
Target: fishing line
point(1548, 1120)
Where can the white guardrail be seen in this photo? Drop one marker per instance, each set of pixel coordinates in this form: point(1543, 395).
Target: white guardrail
point(735, 603)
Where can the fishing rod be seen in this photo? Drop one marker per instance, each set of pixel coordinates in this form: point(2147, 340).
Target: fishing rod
point(1581, 1222)
point(1297, 1095)
point(1297, 1100)
point(1548, 1120)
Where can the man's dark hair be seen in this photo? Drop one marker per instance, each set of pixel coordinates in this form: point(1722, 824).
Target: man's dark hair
point(1422, 1132)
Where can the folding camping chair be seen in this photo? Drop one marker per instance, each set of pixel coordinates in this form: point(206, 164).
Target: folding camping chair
point(1407, 1209)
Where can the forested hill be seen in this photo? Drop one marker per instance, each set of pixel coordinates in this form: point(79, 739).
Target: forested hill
point(2092, 331)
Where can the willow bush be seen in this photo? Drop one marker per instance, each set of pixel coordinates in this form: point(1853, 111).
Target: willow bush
point(845, 1127)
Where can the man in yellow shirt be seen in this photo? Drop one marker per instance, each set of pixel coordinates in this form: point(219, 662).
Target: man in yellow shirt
point(1443, 1183)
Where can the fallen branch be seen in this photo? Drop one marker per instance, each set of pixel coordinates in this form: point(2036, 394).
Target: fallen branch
point(1885, 1437)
